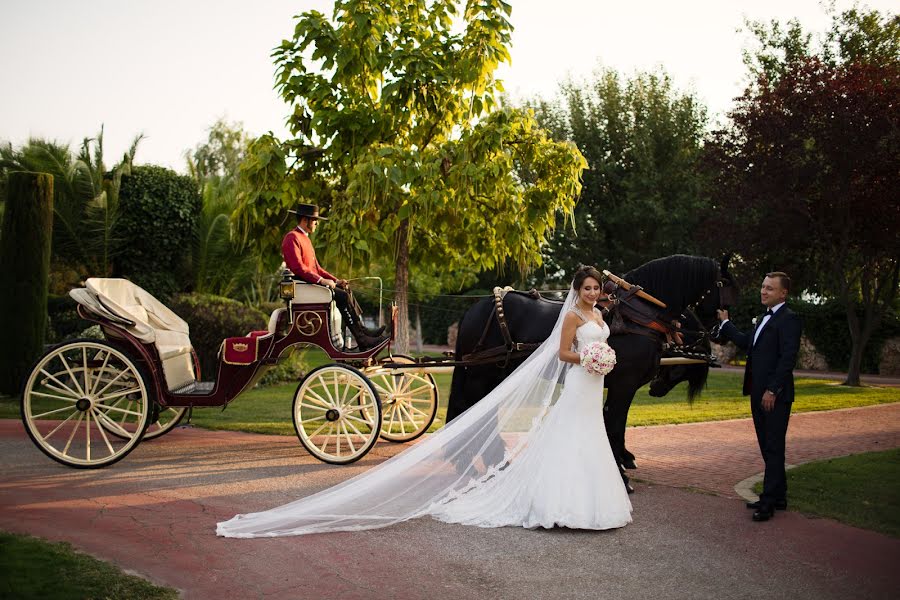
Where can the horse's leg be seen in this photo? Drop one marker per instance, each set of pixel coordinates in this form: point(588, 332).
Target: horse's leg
point(618, 401)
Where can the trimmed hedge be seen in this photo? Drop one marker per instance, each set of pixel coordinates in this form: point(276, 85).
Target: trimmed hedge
point(212, 319)
point(158, 211)
point(64, 322)
point(24, 270)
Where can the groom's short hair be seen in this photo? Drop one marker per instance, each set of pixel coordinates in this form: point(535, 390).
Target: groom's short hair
point(783, 278)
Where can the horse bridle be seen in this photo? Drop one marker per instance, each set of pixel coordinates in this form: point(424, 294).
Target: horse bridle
point(713, 333)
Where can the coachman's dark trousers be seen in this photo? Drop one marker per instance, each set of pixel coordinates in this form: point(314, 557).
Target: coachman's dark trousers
point(348, 306)
point(771, 430)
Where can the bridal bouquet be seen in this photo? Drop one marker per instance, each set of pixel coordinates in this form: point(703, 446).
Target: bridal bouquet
point(598, 358)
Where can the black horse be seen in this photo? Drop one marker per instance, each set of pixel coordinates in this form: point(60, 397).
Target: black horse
point(679, 281)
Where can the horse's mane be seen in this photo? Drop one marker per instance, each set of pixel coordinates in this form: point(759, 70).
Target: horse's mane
point(676, 280)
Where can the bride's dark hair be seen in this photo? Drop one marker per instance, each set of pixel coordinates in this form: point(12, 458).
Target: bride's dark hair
point(583, 273)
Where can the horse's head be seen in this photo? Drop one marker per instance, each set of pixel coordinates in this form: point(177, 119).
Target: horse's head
point(721, 293)
point(681, 282)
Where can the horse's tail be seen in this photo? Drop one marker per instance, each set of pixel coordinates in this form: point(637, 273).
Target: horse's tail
point(456, 404)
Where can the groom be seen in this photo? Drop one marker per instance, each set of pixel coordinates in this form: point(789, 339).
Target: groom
point(769, 381)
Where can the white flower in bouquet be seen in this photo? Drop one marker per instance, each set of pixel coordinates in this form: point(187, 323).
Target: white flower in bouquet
point(598, 358)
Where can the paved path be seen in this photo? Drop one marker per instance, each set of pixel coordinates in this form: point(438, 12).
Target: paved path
point(716, 456)
point(155, 513)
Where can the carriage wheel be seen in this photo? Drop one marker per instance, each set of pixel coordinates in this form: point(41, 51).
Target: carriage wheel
point(337, 414)
point(409, 402)
point(75, 395)
point(166, 418)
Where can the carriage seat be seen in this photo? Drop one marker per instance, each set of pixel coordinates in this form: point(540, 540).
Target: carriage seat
point(153, 321)
point(312, 293)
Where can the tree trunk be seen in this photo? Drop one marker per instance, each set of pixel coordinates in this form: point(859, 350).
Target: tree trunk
point(401, 283)
point(860, 335)
point(24, 275)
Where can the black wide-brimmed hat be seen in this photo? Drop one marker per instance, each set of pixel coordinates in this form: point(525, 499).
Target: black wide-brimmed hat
point(307, 210)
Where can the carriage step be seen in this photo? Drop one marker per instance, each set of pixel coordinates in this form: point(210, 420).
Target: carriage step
point(195, 388)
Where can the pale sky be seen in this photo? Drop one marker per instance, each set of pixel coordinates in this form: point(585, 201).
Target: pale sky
point(170, 68)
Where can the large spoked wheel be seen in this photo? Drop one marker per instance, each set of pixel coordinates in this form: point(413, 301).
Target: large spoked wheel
point(337, 414)
point(162, 419)
point(167, 418)
point(77, 393)
point(409, 402)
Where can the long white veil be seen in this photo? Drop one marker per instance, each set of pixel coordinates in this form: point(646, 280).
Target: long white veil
point(450, 462)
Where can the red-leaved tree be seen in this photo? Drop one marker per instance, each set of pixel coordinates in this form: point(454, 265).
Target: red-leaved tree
point(806, 178)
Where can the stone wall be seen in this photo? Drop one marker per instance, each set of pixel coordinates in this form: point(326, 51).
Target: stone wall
point(809, 359)
point(890, 358)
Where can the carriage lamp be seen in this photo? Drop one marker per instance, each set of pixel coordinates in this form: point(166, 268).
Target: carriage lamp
point(286, 286)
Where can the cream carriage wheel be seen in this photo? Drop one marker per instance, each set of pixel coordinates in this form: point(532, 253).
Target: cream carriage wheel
point(337, 414)
point(73, 397)
point(166, 418)
point(409, 401)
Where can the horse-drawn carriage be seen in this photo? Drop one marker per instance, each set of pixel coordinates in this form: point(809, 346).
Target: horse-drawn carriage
point(89, 402)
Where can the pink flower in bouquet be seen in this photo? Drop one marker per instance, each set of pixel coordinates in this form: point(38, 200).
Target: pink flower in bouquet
point(598, 358)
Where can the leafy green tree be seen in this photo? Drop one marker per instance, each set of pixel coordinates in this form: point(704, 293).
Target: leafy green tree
point(642, 195)
point(855, 35)
point(399, 134)
point(219, 263)
point(805, 175)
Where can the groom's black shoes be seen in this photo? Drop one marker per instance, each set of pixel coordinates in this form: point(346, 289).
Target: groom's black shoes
point(763, 514)
point(628, 463)
point(779, 505)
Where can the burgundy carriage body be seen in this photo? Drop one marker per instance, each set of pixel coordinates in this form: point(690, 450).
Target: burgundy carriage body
point(239, 368)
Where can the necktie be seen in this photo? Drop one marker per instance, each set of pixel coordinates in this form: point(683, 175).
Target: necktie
point(769, 313)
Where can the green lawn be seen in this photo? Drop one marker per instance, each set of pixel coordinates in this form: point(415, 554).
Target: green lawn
point(37, 569)
point(861, 490)
point(268, 409)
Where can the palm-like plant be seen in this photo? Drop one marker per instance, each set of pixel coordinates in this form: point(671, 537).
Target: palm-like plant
point(218, 263)
point(86, 198)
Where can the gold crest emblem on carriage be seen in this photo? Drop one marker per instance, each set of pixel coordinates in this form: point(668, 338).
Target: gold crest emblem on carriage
point(240, 347)
point(309, 322)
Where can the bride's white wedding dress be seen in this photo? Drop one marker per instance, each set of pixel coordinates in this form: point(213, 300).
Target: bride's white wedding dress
point(532, 453)
point(566, 476)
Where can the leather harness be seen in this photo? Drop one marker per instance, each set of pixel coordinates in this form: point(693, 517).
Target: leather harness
point(638, 316)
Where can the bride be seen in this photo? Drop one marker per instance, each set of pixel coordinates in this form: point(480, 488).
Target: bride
point(532, 453)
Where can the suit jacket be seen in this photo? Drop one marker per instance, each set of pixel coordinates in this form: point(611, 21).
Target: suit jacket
point(300, 257)
point(770, 361)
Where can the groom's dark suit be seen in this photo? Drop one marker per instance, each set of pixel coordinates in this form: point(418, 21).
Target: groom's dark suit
point(770, 366)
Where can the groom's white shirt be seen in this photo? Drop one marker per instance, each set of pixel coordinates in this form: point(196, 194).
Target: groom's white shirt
point(765, 320)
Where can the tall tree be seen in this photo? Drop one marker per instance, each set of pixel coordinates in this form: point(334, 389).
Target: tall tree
point(806, 175)
point(642, 193)
point(399, 133)
point(219, 263)
point(24, 269)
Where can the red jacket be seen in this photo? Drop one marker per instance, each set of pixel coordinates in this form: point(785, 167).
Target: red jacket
point(300, 257)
